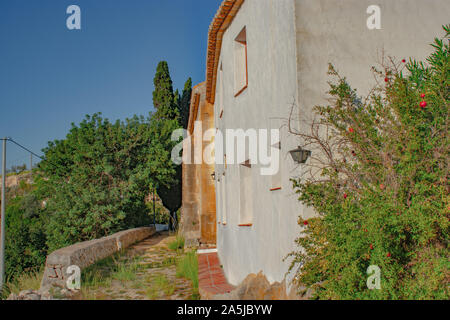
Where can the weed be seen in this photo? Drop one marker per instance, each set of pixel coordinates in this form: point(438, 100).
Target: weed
point(177, 244)
point(187, 267)
point(27, 281)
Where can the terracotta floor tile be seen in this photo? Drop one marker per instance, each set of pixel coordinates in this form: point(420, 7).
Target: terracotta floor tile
point(211, 276)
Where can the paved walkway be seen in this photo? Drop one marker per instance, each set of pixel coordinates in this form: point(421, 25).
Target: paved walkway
point(211, 277)
point(146, 271)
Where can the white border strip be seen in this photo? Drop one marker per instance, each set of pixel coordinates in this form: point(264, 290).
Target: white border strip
point(204, 251)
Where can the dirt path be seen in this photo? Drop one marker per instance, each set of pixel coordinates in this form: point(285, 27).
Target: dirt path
point(145, 271)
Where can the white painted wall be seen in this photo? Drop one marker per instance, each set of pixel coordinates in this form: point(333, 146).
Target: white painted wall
point(290, 43)
point(335, 31)
point(272, 87)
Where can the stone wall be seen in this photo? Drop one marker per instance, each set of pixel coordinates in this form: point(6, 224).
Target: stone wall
point(198, 211)
point(86, 253)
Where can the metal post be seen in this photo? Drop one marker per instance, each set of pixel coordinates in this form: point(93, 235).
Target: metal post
point(154, 208)
point(31, 168)
point(2, 237)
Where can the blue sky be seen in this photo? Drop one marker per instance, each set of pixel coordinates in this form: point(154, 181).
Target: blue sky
point(51, 76)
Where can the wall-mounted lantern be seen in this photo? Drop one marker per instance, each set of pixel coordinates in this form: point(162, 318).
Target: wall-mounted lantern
point(213, 175)
point(300, 155)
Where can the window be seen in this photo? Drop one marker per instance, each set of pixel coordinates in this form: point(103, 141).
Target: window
point(219, 200)
point(276, 126)
point(223, 192)
point(245, 195)
point(240, 62)
point(276, 178)
point(221, 91)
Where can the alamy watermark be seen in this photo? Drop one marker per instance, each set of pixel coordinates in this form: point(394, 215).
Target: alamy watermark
point(374, 20)
point(73, 22)
point(74, 280)
point(374, 279)
point(234, 146)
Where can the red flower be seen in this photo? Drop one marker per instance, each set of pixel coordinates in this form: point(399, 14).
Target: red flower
point(422, 95)
point(371, 247)
point(403, 60)
point(423, 104)
point(351, 130)
point(386, 79)
point(382, 186)
point(345, 196)
point(389, 254)
point(305, 222)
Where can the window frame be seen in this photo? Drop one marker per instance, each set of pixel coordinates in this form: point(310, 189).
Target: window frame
point(246, 206)
point(244, 43)
point(277, 179)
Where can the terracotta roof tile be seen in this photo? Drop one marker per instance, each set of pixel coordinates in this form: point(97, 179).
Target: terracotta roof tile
point(224, 16)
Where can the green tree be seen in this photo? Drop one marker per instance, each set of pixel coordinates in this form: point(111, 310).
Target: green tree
point(166, 120)
point(25, 240)
point(96, 179)
point(163, 96)
point(382, 193)
point(185, 103)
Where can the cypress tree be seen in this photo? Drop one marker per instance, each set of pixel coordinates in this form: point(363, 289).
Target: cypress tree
point(164, 121)
point(177, 100)
point(163, 96)
point(185, 103)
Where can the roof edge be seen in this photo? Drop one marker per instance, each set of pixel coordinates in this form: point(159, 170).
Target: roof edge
point(196, 97)
point(222, 20)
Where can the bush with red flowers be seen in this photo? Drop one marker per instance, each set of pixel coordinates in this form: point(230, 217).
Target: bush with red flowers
point(382, 192)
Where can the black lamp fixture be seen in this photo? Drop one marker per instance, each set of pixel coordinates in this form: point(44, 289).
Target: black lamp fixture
point(213, 175)
point(300, 155)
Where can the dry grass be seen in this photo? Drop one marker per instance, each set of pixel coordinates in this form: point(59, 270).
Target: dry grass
point(187, 267)
point(26, 281)
point(177, 244)
point(160, 285)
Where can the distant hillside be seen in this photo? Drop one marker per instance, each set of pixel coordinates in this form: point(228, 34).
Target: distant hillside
point(13, 180)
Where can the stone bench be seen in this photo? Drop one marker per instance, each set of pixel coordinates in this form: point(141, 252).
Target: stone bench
point(86, 253)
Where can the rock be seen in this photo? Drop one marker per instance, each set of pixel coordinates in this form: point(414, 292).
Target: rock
point(32, 296)
point(277, 291)
point(58, 293)
point(29, 295)
point(257, 287)
point(46, 296)
point(35, 295)
point(25, 295)
point(12, 296)
point(25, 292)
point(253, 287)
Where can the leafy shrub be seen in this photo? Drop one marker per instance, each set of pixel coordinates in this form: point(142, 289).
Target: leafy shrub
point(382, 193)
point(97, 178)
point(162, 215)
point(25, 240)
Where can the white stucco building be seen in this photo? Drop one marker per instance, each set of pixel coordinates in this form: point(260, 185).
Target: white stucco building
point(265, 56)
